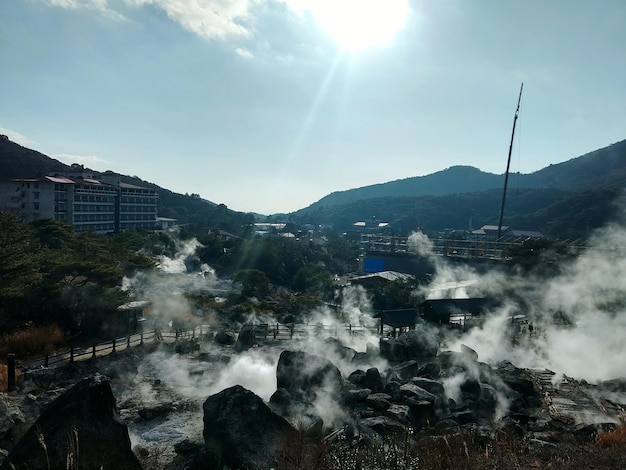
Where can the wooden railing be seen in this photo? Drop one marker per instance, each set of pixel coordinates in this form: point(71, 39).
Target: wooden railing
point(294, 331)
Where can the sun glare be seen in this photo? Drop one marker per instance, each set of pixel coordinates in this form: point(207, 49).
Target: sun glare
point(360, 24)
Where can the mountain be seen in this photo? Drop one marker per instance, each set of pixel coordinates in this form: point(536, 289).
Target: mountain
point(566, 200)
point(190, 210)
point(20, 162)
point(604, 168)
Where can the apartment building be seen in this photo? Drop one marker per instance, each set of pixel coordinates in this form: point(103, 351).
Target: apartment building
point(101, 205)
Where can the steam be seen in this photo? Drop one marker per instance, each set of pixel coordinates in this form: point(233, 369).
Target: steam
point(590, 292)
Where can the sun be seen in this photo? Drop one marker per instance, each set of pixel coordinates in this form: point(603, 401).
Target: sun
point(360, 24)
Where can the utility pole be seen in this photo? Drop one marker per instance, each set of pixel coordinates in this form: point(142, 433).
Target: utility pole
point(508, 162)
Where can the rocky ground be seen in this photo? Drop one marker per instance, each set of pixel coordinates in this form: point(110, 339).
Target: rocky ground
point(232, 400)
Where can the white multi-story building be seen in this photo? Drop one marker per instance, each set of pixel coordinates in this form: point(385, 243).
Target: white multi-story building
point(86, 203)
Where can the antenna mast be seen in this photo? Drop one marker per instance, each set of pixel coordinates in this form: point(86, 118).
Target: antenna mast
point(508, 162)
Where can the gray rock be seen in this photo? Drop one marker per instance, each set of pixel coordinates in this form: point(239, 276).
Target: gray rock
point(379, 401)
point(84, 417)
point(412, 390)
point(240, 430)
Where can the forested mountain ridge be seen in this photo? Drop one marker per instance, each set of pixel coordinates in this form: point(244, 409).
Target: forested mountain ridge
point(565, 200)
point(601, 169)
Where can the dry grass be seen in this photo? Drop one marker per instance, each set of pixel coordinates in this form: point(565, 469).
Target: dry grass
point(613, 439)
point(466, 451)
point(32, 341)
point(4, 377)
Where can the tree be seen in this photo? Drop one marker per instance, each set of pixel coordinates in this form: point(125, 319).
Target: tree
point(19, 273)
point(254, 283)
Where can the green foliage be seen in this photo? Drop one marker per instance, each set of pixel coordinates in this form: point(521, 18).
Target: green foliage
point(313, 280)
point(542, 256)
point(52, 275)
point(393, 295)
point(254, 283)
point(18, 262)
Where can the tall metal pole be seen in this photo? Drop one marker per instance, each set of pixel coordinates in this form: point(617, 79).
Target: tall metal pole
point(508, 162)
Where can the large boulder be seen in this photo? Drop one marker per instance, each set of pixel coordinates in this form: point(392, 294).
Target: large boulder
point(304, 375)
point(246, 338)
point(80, 429)
point(240, 430)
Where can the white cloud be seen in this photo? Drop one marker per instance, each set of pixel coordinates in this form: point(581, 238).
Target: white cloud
point(92, 161)
point(100, 6)
point(210, 19)
point(243, 52)
point(18, 138)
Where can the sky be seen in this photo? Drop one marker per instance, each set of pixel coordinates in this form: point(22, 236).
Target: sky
point(269, 105)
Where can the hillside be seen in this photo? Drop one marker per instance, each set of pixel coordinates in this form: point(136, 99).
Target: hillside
point(600, 169)
point(567, 200)
point(20, 162)
point(190, 210)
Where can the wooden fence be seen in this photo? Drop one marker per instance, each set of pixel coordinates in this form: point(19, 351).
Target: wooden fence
point(264, 331)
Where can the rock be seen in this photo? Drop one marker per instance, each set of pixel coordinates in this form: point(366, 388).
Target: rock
point(379, 401)
point(361, 358)
point(401, 413)
point(240, 430)
point(6, 421)
point(351, 397)
point(412, 390)
point(518, 381)
point(405, 371)
point(280, 397)
point(84, 417)
point(423, 411)
point(432, 386)
point(393, 389)
point(303, 375)
point(373, 380)
point(469, 352)
point(343, 351)
point(246, 338)
point(357, 377)
point(383, 425)
point(224, 338)
point(186, 446)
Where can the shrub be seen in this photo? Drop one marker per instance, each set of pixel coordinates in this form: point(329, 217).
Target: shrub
point(32, 341)
point(615, 438)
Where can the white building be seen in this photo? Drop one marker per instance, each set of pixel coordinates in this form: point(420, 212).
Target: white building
point(87, 203)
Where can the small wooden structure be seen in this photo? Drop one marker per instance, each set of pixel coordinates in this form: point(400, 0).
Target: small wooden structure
point(127, 318)
point(400, 320)
point(445, 311)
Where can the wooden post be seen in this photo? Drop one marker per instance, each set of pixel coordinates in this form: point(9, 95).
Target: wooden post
point(93, 351)
point(113, 349)
point(72, 355)
point(128, 342)
point(141, 338)
point(46, 360)
point(11, 372)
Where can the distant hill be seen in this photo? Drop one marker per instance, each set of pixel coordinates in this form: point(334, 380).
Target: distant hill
point(566, 200)
point(20, 162)
point(190, 210)
point(604, 168)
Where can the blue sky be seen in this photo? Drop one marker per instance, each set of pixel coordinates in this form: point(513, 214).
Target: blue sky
point(269, 105)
